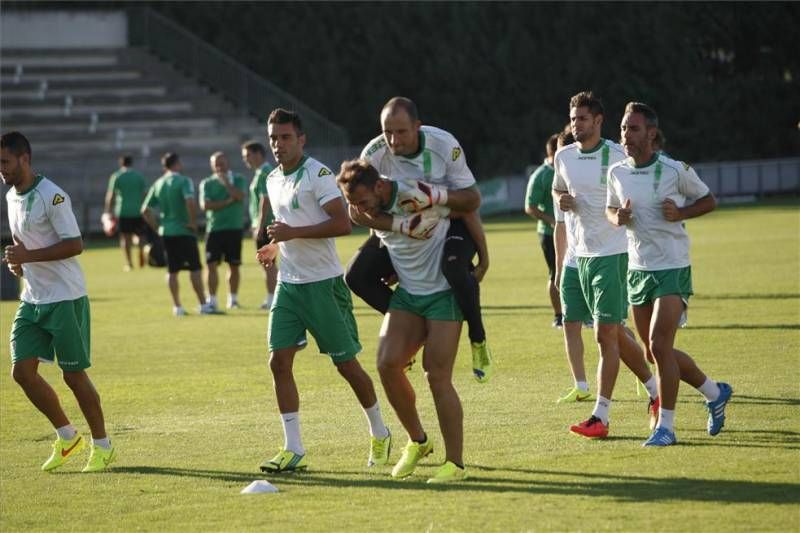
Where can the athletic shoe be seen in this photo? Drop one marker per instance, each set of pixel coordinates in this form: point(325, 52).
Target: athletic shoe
point(661, 437)
point(575, 395)
point(265, 306)
point(652, 410)
point(412, 453)
point(716, 409)
point(379, 450)
point(558, 321)
point(179, 311)
point(481, 362)
point(63, 450)
point(100, 458)
point(207, 309)
point(448, 473)
point(593, 428)
point(285, 461)
point(234, 305)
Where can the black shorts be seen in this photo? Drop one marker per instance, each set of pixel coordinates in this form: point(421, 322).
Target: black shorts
point(225, 243)
point(546, 241)
point(131, 225)
point(182, 253)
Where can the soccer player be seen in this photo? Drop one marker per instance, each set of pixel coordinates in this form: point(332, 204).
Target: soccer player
point(126, 190)
point(52, 322)
point(173, 195)
point(407, 150)
point(311, 295)
point(601, 250)
point(222, 198)
point(255, 157)
point(539, 206)
point(422, 311)
point(650, 194)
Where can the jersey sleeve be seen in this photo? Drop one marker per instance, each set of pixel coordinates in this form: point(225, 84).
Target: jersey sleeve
point(188, 189)
point(559, 183)
point(529, 192)
point(458, 173)
point(151, 200)
point(59, 212)
point(324, 185)
point(689, 183)
point(112, 181)
point(612, 194)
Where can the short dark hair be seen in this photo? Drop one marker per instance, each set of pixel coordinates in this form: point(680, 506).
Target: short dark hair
point(255, 147)
point(284, 116)
point(16, 143)
point(587, 99)
point(550, 145)
point(650, 117)
point(357, 172)
point(401, 102)
point(565, 138)
point(125, 160)
point(169, 160)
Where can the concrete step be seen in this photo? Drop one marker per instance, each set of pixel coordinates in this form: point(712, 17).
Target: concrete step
point(94, 98)
point(90, 76)
point(155, 145)
point(74, 125)
point(54, 111)
point(26, 94)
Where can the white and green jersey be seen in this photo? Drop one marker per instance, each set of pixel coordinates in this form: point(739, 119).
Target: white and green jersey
point(569, 225)
point(584, 175)
point(297, 198)
point(418, 263)
point(40, 217)
point(654, 243)
point(440, 160)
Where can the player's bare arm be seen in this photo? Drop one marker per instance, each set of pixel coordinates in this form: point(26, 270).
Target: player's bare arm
point(18, 254)
point(566, 202)
point(337, 225)
point(464, 200)
point(620, 216)
point(673, 213)
point(472, 221)
point(191, 209)
point(537, 214)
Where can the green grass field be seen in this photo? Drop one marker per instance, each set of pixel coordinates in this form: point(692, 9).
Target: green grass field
point(190, 407)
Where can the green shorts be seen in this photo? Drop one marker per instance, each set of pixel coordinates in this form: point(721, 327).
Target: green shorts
point(440, 305)
point(573, 304)
point(644, 286)
point(324, 309)
point(57, 331)
point(603, 285)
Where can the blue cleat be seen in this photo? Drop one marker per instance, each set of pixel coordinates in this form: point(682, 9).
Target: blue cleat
point(716, 409)
point(661, 437)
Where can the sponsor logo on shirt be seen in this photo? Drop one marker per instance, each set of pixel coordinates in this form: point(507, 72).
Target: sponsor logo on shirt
point(323, 172)
point(380, 143)
point(589, 157)
point(58, 199)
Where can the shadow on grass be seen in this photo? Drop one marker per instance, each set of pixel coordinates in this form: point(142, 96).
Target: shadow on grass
point(489, 479)
point(749, 296)
point(765, 400)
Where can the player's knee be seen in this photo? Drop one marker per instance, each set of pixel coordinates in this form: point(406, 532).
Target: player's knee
point(660, 349)
point(23, 375)
point(279, 365)
point(74, 379)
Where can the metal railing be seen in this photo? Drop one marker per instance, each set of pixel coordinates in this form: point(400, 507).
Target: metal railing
point(248, 91)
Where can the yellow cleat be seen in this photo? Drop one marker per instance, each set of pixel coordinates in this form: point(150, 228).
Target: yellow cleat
point(379, 450)
point(100, 458)
point(575, 395)
point(448, 473)
point(412, 453)
point(285, 461)
point(482, 366)
point(63, 450)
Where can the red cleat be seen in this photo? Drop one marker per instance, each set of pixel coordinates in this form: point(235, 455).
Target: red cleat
point(591, 429)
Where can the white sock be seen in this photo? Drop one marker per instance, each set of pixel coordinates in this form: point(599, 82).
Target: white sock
point(666, 419)
point(582, 385)
point(652, 387)
point(291, 433)
point(601, 408)
point(376, 426)
point(212, 300)
point(270, 297)
point(709, 389)
point(233, 298)
point(67, 432)
point(104, 443)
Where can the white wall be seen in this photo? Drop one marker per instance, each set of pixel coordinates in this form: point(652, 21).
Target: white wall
point(63, 29)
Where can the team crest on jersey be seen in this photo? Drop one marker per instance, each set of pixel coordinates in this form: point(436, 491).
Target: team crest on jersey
point(380, 143)
point(58, 199)
point(456, 153)
point(323, 172)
